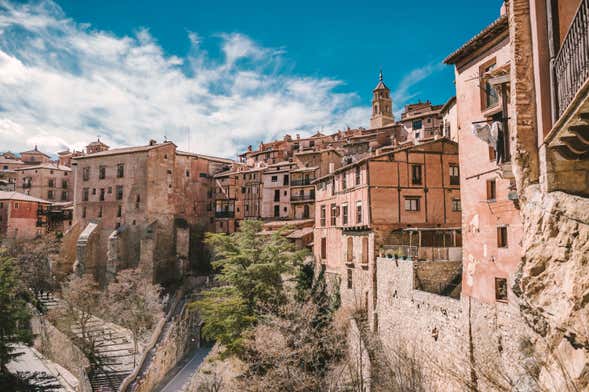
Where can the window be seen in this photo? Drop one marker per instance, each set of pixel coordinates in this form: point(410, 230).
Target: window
point(102, 172)
point(84, 212)
point(323, 248)
point(85, 173)
point(119, 192)
point(416, 174)
point(490, 96)
point(1, 204)
point(312, 143)
point(187, 173)
point(51, 183)
point(285, 180)
point(50, 195)
point(109, 191)
point(456, 205)
point(276, 211)
point(417, 124)
point(333, 214)
point(412, 203)
point(501, 289)
point(85, 193)
point(137, 201)
point(93, 191)
point(119, 211)
point(203, 175)
point(344, 181)
point(502, 237)
point(359, 212)
point(100, 212)
point(120, 170)
point(345, 214)
point(364, 250)
point(350, 281)
point(323, 213)
point(274, 178)
point(306, 211)
point(15, 206)
point(276, 195)
point(64, 196)
point(492, 154)
point(64, 184)
point(358, 175)
point(491, 190)
point(242, 189)
point(454, 175)
point(102, 194)
point(350, 250)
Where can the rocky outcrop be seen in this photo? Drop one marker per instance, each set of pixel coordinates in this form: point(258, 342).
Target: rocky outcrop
point(553, 282)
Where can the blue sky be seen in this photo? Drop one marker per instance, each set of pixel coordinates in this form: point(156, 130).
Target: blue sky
point(215, 76)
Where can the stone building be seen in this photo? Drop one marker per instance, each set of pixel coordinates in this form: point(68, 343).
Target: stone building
point(138, 206)
point(382, 105)
point(34, 157)
point(360, 207)
point(422, 121)
point(276, 195)
point(47, 181)
point(21, 216)
point(449, 124)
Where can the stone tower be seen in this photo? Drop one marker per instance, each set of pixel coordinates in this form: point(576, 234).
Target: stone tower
point(382, 105)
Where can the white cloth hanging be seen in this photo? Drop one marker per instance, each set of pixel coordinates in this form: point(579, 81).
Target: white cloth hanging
point(487, 133)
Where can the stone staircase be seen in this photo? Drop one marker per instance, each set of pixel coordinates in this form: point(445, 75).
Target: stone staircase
point(114, 350)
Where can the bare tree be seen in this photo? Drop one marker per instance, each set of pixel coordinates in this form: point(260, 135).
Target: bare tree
point(133, 302)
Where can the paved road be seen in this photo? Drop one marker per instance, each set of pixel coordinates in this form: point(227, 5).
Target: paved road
point(183, 372)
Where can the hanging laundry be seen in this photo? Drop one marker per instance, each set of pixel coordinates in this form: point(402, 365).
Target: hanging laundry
point(497, 131)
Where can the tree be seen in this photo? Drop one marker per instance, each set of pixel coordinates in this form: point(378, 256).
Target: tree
point(29, 382)
point(14, 313)
point(252, 268)
point(134, 303)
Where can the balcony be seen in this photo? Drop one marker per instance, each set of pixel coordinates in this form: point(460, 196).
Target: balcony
point(301, 198)
point(224, 214)
point(570, 134)
point(302, 182)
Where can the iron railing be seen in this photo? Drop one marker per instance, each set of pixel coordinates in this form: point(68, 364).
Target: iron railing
point(305, 181)
point(302, 197)
point(571, 66)
point(224, 214)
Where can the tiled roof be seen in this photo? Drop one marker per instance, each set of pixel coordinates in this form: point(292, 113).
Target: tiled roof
point(486, 35)
point(124, 150)
point(21, 197)
point(46, 166)
point(208, 157)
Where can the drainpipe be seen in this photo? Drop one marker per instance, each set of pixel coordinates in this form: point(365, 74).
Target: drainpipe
point(552, 30)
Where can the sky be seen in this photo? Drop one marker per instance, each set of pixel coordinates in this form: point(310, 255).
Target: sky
point(216, 76)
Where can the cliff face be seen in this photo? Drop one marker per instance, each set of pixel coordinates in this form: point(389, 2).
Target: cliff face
point(552, 285)
point(553, 282)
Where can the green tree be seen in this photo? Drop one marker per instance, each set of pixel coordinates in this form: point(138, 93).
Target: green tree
point(252, 269)
point(14, 313)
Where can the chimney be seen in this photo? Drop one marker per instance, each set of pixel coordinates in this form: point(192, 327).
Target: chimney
point(298, 136)
point(152, 142)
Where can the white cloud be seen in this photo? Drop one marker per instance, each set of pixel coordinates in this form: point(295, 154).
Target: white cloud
point(63, 84)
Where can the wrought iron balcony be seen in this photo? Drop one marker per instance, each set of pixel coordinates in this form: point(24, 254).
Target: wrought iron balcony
point(302, 182)
point(300, 198)
point(571, 66)
point(224, 214)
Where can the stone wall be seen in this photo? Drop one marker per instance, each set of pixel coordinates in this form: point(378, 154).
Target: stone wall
point(436, 276)
point(88, 251)
point(458, 345)
point(179, 339)
point(60, 349)
point(67, 254)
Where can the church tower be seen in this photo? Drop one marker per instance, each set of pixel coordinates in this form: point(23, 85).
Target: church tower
point(382, 105)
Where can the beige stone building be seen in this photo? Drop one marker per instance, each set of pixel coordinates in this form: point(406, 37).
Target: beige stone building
point(138, 206)
point(48, 181)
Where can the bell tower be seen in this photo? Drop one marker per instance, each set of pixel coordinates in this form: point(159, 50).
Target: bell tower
point(382, 105)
